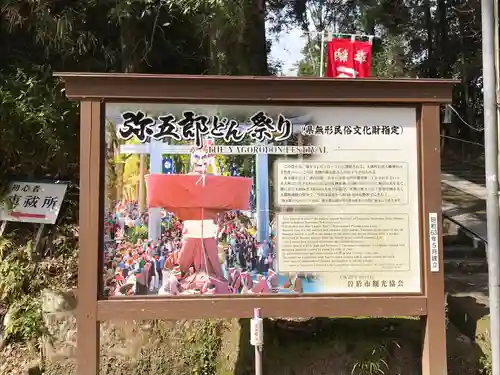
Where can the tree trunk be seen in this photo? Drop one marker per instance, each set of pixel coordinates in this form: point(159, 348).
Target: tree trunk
point(130, 64)
point(261, 41)
point(254, 37)
point(431, 64)
point(442, 38)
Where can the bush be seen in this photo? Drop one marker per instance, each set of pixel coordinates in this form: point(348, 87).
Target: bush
point(137, 233)
point(24, 274)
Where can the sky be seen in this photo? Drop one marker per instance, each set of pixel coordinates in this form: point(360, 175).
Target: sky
point(287, 49)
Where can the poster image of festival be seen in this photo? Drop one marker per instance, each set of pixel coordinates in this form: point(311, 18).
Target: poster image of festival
point(181, 220)
point(216, 200)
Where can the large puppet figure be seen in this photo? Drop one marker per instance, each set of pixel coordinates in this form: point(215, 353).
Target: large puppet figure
point(197, 198)
point(202, 162)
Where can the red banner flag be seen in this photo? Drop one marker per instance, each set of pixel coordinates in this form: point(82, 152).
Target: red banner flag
point(348, 59)
point(362, 58)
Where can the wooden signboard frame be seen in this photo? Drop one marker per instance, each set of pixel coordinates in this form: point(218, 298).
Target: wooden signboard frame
point(94, 90)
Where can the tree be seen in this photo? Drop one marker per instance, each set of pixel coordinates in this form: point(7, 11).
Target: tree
point(39, 130)
point(414, 38)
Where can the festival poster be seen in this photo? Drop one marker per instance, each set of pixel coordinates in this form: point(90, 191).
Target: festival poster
point(200, 233)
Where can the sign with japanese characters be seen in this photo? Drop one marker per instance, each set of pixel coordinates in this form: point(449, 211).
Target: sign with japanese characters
point(33, 202)
point(356, 220)
point(434, 241)
point(348, 58)
point(194, 126)
point(348, 220)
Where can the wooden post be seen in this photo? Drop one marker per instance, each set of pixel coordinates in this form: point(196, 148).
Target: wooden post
point(434, 340)
point(38, 236)
point(90, 220)
point(3, 226)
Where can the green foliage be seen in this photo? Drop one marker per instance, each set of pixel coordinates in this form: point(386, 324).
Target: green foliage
point(25, 320)
point(485, 360)
point(24, 274)
point(311, 61)
point(167, 347)
point(37, 131)
point(371, 358)
point(20, 288)
point(430, 39)
point(137, 233)
point(205, 343)
point(17, 268)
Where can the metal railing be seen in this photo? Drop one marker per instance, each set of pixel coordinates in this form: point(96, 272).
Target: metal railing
point(471, 232)
point(462, 150)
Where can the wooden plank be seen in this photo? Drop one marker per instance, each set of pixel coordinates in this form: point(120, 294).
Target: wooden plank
point(222, 307)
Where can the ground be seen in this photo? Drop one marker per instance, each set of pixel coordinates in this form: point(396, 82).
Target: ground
point(221, 347)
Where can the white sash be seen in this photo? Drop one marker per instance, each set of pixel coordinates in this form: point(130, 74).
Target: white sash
point(193, 229)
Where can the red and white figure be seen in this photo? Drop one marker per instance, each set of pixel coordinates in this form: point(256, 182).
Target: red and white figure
point(201, 159)
point(348, 58)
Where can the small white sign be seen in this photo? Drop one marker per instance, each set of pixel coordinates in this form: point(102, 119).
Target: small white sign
point(257, 332)
point(33, 202)
point(434, 241)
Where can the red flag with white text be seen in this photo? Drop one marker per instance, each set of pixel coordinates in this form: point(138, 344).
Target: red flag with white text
point(362, 58)
point(348, 58)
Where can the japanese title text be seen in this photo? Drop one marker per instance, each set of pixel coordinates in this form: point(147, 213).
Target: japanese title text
point(194, 127)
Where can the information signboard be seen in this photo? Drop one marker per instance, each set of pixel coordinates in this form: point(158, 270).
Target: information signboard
point(354, 219)
point(33, 202)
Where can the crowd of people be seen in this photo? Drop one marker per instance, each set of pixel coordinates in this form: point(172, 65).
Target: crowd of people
point(141, 267)
point(242, 250)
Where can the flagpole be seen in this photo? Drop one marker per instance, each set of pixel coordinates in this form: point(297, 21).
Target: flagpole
point(491, 171)
point(322, 49)
point(141, 183)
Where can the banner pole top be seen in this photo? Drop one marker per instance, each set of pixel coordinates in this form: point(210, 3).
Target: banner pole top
point(331, 34)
